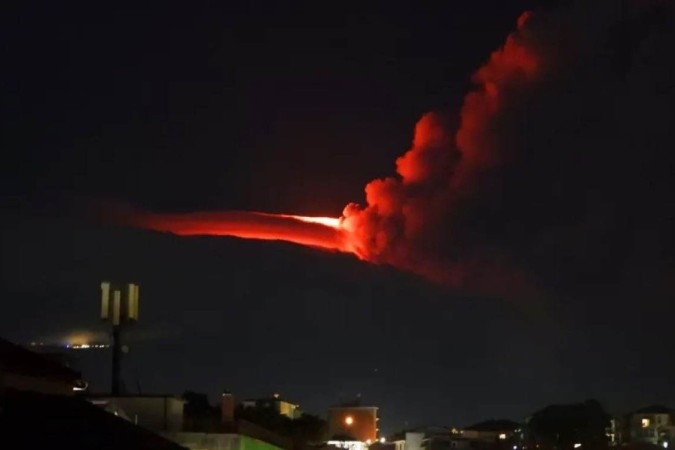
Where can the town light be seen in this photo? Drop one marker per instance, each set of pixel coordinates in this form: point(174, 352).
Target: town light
point(382, 440)
point(349, 420)
point(577, 445)
point(502, 436)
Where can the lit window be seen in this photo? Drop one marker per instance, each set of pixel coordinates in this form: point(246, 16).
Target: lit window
point(502, 436)
point(645, 423)
point(349, 420)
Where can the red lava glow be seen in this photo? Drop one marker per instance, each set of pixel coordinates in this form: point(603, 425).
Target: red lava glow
point(403, 220)
point(318, 232)
point(333, 222)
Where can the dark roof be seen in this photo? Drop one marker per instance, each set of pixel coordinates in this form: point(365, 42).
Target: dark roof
point(114, 396)
point(37, 420)
point(494, 425)
point(654, 409)
point(16, 359)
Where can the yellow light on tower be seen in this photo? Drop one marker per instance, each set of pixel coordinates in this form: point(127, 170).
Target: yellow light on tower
point(105, 300)
point(117, 306)
point(132, 302)
point(349, 420)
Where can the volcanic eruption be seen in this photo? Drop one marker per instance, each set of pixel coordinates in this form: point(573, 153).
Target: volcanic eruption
point(460, 208)
point(436, 169)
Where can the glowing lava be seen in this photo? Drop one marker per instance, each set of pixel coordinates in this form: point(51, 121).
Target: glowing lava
point(333, 222)
point(409, 219)
point(321, 232)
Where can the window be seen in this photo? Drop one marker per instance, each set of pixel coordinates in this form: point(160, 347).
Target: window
point(645, 423)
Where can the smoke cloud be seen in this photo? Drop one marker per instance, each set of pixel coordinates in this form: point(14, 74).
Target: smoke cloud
point(557, 171)
point(552, 169)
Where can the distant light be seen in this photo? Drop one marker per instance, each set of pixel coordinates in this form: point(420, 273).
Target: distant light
point(645, 423)
point(502, 436)
point(577, 445)
point(515, 447)
point(349, 420)
point(665, 444)
point(382, 440)
point(368, 441)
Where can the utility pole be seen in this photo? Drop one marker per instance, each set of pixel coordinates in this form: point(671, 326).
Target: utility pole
point(119, 306)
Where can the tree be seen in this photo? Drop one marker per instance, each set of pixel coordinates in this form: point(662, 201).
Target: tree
point(563, 426)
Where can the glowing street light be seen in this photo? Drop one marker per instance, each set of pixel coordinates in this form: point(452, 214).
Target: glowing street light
point(349, 420)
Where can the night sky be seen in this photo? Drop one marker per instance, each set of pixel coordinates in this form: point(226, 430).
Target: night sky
point(268, 107)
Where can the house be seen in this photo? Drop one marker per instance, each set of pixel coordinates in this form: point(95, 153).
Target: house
point(654, 425)
point(275, 402)
point(359, 422)
point(226, 432)
point(491, 431)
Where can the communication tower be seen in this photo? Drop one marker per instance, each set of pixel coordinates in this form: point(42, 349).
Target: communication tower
point(119, 306)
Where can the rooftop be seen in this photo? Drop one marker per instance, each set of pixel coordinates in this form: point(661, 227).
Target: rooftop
point(16, 359)
point(654, 409)
point(494, 425)
point(53, 420)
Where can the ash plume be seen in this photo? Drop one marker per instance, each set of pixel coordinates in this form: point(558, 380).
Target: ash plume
point(556, 174)
point(559, 160)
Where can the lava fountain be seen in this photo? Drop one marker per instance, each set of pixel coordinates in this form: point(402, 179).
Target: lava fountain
point(319, 232)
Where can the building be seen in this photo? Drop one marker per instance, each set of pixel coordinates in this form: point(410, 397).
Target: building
point(353, 421)
point(25, 370)
point(157, 413)
point(434, 438)
point(491, 431)
point(652, 425)
point(283, 407)
point(226, 433)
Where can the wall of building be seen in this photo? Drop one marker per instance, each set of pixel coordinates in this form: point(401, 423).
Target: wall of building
point(283, 407)
point(204, 441)
point(153, 413)
point(287, 409)
point(649, 428)
point(218, 441)
point(413, 440)
point(363, 425)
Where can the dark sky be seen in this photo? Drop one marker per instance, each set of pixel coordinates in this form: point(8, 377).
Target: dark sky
point(278, 108)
